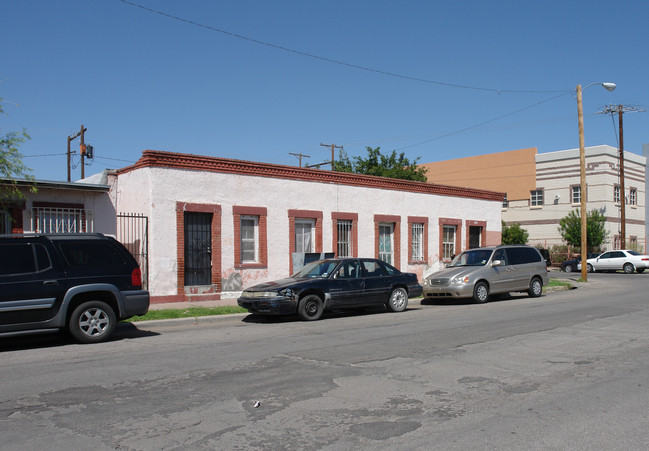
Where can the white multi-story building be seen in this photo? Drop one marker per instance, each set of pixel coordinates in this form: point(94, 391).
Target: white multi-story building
point(542, 188)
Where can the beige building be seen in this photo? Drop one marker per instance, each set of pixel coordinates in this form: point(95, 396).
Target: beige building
point(543, 188)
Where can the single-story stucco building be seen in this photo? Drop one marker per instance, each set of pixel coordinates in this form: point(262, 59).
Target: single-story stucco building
point(217, 226)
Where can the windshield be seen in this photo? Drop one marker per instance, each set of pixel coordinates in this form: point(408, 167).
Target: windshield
point(316, 270)
point(634, 253)
point(472, 258)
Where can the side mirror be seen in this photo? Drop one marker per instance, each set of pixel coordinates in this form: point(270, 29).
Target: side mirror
point(497, 263)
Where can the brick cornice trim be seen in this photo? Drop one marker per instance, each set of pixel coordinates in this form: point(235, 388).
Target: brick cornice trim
point(156, 158)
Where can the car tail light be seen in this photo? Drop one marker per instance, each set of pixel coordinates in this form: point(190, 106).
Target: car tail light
point(136, 277)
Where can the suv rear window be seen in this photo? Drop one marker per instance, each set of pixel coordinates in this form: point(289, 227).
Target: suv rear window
point(84, 253)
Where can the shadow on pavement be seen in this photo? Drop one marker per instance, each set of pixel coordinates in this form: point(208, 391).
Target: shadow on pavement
point(56, 339)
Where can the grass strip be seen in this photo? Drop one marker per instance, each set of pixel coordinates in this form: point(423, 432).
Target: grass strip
point(190, 312)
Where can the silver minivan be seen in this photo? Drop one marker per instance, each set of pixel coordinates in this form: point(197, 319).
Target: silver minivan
point(477, 273)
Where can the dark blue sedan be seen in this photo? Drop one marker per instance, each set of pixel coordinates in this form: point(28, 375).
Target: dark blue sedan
point(333, 283)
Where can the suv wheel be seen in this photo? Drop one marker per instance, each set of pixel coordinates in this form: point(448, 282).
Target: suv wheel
point(480, 293)
point(92, 322)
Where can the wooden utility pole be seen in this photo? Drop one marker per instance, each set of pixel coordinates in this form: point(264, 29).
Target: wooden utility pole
point(72, 138)
point(333, 158)
point(620, 110)
point(300, 155)
point(82, 152)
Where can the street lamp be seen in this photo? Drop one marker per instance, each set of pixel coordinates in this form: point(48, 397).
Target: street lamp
point(582, 167)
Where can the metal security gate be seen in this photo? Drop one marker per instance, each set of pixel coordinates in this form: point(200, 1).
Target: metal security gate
point(133, 233)
point(198, 249)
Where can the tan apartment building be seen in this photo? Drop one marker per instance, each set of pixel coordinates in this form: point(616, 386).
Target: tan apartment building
point(542, 188)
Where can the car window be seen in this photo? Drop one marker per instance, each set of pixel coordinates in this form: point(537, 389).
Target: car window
point(634, 253)
point(80, 253)
point(16, 259)
point(522, 255)
point(472, 258)
point(348, 270)
point(618, 254)
point(391, 270)
point(372, 268)
point(500, 255)
point(317, 270)
point(606, 255)
point(43, 261)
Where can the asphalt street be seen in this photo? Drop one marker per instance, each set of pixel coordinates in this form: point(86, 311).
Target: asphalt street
point(568, 370)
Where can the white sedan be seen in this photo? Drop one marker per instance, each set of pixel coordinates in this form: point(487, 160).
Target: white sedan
point(628, 261)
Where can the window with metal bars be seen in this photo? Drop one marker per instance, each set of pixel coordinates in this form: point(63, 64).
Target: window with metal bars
point(62, 220)
point(344, 245)
point(417, 232)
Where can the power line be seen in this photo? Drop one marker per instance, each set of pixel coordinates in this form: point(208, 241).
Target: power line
point(484, 122)
point(333, 61)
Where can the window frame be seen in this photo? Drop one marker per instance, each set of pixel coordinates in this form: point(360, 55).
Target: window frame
point(537, 197)
point(348, 218)
point(261, 236)
point(575, 189)
point(633, 196)
point(412, 222)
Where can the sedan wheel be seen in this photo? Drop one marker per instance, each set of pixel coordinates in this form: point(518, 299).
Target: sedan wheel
point(398, 300)
point(567, 268)
point(589, 268)
point(310, 308)
point(628, 268)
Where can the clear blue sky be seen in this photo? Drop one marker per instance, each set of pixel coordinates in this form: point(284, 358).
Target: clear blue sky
point(257, 80)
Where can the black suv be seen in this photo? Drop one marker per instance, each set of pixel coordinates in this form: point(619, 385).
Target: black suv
point(84, 283)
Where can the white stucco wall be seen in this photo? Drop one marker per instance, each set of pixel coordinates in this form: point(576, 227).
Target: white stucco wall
point(155, 192)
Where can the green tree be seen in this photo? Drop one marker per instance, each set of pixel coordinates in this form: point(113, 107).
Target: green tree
point(11, 165)
point(392, 165)
point(514, 234)
point(570, 229)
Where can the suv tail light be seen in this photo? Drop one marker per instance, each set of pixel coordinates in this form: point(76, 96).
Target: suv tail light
point(136, 277)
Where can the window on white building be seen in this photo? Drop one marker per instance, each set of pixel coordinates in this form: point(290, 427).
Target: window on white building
point(304, 230)
point(616, 194)
point(249, 239)
point(344, 246)
point(575, 194)
point(386, 248)
point(417, 238)
point(505, 202)
point(448, 242)
point(536, 197)
point(633, 196)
